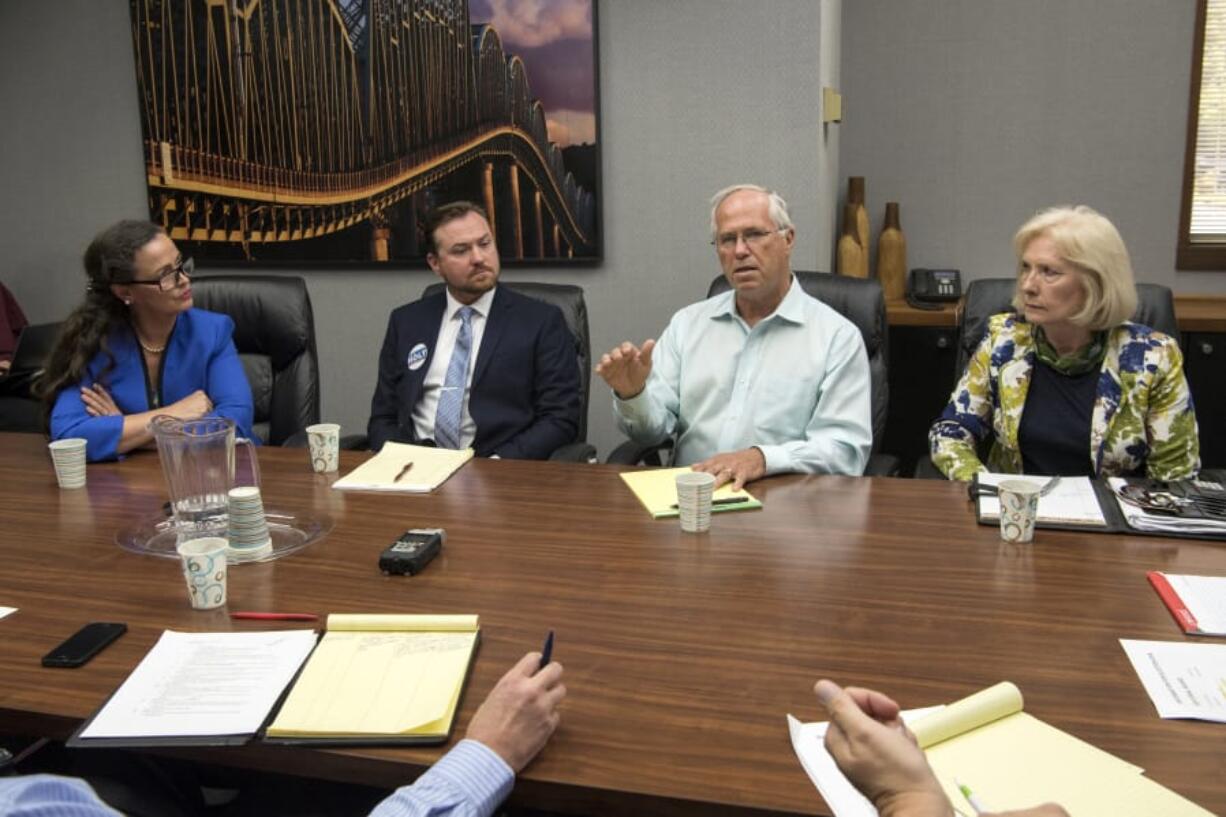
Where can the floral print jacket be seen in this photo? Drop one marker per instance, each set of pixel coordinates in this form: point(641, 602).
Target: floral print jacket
point(1142, 420)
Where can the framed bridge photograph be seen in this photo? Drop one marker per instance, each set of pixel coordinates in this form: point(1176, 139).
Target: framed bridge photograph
point(320, 131)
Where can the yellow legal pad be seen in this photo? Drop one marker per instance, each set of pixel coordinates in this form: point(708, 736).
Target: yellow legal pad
point(656, 488)
point(1012, 760)
point(430, 468)
point(380, 679)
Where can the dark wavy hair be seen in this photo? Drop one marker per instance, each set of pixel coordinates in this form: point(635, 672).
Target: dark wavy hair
point(109, 259)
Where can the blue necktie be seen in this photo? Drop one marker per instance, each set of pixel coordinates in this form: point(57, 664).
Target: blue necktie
point(451, 401)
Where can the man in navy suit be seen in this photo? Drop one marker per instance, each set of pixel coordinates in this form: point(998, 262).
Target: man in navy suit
point(476, 365)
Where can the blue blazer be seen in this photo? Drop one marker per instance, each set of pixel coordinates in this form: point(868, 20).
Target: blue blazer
point(525, 394)
point(200, 354)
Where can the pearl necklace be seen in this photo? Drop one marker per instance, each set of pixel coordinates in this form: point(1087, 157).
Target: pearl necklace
point(153, 350)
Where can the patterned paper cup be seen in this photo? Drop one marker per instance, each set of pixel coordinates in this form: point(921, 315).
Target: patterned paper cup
point(1019, 508)
point(324, 440)
point(204, 568)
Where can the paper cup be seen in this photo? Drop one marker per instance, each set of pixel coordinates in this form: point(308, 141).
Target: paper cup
point(694, 490)
point(1019, 508)
point(68, 457)
point(204, 568)
point(324, 441)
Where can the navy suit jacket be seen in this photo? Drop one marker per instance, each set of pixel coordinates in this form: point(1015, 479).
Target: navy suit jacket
point(525, 395)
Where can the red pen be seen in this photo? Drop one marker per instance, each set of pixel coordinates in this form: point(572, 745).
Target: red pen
point(276, 616)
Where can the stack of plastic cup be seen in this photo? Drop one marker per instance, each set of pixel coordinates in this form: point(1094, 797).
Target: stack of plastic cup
point(694, 490)
point(68, 455)
point(249, 537)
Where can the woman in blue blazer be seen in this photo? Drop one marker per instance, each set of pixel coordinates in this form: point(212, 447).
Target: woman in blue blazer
point(136, 348)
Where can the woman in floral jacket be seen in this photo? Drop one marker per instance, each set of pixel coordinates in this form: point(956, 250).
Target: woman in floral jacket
point(1068, 385)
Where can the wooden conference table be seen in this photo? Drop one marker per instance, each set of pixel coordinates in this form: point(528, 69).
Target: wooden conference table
point(682, 652)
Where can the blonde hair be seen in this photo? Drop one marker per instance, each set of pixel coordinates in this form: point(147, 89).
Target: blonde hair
point(1087, 240)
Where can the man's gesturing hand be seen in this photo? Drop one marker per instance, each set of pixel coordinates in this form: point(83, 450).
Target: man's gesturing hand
point(626, 367)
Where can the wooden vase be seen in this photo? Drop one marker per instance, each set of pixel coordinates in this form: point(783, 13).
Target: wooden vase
point(857, 196)
point(892, 255)
point(852, 255)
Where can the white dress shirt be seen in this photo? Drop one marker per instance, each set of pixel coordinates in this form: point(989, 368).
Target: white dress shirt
point(427, 407)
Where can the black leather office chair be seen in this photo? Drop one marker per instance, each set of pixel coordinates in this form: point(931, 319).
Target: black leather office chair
point(990, 296)
point(20, 410)
point(274, 332)
point(986, 297)
point(569, 299)
point(862, 302)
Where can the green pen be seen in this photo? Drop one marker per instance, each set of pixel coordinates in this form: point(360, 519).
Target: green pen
point(975, 802)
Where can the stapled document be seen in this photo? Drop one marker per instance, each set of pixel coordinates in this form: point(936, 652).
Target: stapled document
point(1183, 680)
point(203, 684)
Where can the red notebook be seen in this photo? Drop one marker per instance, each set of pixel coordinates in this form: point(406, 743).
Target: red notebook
point(1198, 603)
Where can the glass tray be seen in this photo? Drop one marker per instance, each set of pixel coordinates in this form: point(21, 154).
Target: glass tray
point(154, 535)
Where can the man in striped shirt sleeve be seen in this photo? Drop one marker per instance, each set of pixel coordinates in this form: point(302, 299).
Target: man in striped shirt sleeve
point(510, 727)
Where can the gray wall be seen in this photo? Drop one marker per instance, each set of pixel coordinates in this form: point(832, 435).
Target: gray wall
point(70, 154)
point(975, 113)
point(696, 94)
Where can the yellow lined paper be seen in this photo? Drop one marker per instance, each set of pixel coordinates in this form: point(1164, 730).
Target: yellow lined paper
point(656, 488)
point(1012, 760)
point(431, 468)
point(372, 676)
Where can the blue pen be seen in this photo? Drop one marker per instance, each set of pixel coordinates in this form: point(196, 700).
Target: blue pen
point(546, 651)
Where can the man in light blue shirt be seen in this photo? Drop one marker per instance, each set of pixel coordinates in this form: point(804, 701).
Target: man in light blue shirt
point(509, 728)
point(762, 380)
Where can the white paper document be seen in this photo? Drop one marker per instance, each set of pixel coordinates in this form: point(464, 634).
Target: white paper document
point(4, 611)
point(1072, 501)
point(842, 797)
point(199, 684)
point(1183, 680)
point(1204, 599)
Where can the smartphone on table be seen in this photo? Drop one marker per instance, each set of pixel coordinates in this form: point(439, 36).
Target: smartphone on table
point(84, 644)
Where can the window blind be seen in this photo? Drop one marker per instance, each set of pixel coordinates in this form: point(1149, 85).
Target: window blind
point(1208, 221)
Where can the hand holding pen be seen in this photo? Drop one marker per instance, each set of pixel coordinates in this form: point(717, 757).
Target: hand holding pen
point(521, 712)
point(546, 651)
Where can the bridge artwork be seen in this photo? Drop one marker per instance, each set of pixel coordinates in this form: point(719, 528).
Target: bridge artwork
point(320, 130)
